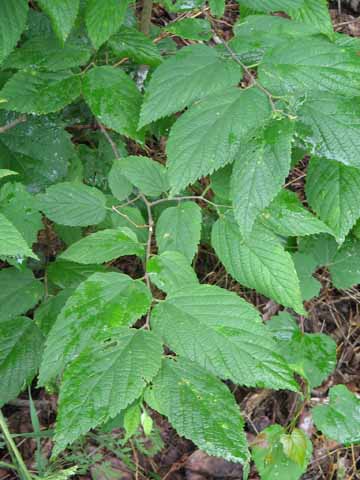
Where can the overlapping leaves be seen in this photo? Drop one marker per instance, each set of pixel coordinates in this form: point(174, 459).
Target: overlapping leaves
point(242, 126)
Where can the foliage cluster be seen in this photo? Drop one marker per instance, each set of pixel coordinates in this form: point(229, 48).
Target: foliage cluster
point(84, 95)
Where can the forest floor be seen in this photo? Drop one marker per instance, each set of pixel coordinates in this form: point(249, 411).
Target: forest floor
point(166, 456)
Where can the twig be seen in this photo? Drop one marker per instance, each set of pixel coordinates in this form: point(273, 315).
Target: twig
point(248, 72)
point(115, 209)
point(130, 202)
point(349, 22)
point(145, 22)
point(22, 403)
point(136, 458)
point(150, 218)
point(13, 124)
point(110, 140)
point(233, 55)
point(189, 197)
point(145, 19)
point(148, 250)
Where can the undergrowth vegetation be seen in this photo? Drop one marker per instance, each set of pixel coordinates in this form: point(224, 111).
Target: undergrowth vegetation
point(122, 149)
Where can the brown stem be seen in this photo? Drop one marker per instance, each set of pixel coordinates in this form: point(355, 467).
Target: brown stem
point(148, 250)
point(13, 124)
point(149, 212)
point(110, 140)
point(188, 197)
point(145, 20)
point(242, 65)
point(250, 75)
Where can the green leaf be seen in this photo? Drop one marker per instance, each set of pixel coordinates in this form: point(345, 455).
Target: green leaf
point(46, 314)
point(333, 191)
point(12, 23)
point(115, 372)
point(182, 5)
point(103, 246)
point(68, 235)
point(272, 5)
point(217, 7)
point(19, 292)
point(103, 19)
point(270, 458)
point(39, 92)
point(340, 420)
point(286, 216)
point(191, 28)
point(345, 265)
point(313, 355)
point(119, 185)
point(305, 266)
point(62, 14)
point(322, 247)
point(255, 34)
point(289, 69)
point(266, 31)
point(221, 332)
point(193, 73)
point(74, 204)
point(13, 243)
point(45, 53)
point(65, 274)
point(350, 43)
point(179, 229)
point(220, 183)
point(131, 218)
point(132, 420)
point(295, 446)
point(40, 149)
point(114, 98)
point(260, 169)
point(97, 162)
point(149, 176)
point(334, 122)
point(101, 303)
point(170, 271)
point(20, 353)
point(146, 423)
point(62, 474)
point(200, 408)
point(209, 134)
point(315, 14)
point(4, 172)
point(133, 44)
point(258, 261)
point(22, 210)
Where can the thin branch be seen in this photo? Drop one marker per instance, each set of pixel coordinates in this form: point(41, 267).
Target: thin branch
point(13, 124)
point(145, 23)
point(233, 55)
point(189, 197)
point(148, 250)
point(249, 73)
point(349, 22)
point(115, 209)
point(19, 402)
point(150, 218)
point(145, 20)
point(130, 202)
point(110, 140)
